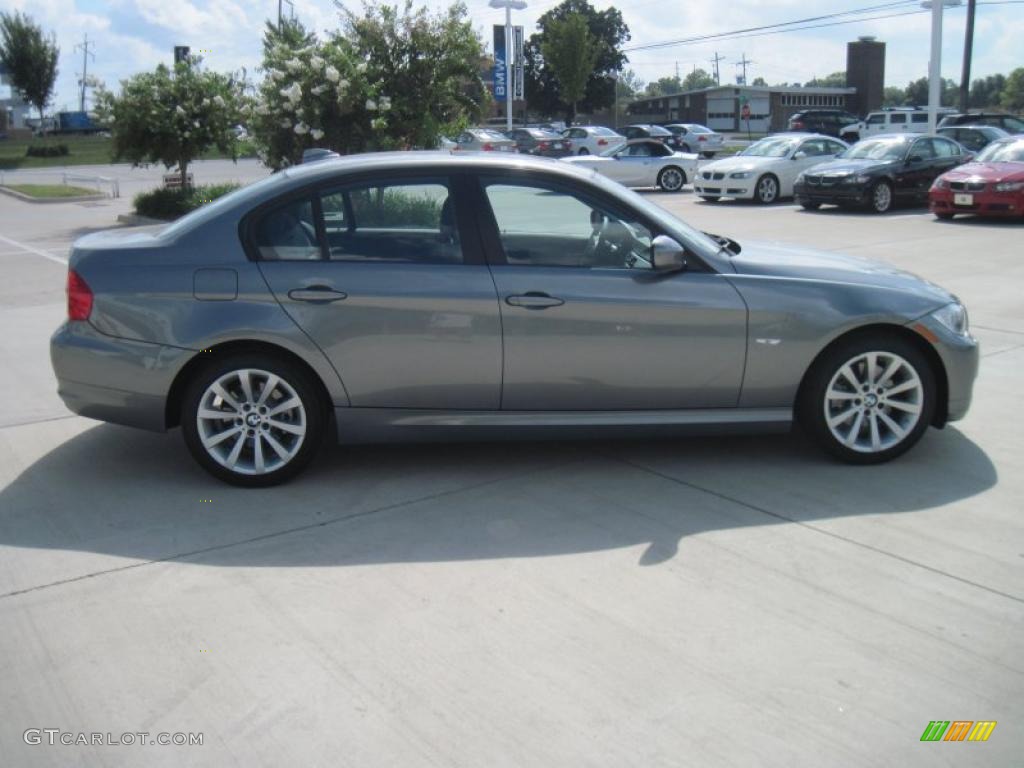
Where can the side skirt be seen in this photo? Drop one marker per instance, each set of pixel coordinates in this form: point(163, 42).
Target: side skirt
point(384, 425)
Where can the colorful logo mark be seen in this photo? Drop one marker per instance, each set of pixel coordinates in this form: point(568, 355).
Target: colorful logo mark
point(958, 730)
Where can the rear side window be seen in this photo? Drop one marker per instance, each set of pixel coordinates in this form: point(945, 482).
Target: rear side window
point(945, 148)
point(288, 233)
point(398, 221)
point(919, 117)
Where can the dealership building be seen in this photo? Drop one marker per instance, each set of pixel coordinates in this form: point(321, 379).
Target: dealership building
point(727, 107)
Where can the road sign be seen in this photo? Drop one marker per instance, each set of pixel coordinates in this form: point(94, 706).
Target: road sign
point(746, 112)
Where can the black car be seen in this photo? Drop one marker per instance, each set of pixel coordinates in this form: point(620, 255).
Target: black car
point(974, 137)
point(664, 135)
point(537, 141)
point(827, 121)
point(1008, 123)
point(880, 171)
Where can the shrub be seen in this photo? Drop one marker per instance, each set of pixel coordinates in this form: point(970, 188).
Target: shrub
point(47, 150)
point(171, 204)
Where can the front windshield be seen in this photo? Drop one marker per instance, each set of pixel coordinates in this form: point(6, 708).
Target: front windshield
point(1002, 152)
point(612, 151)
point(878, 149)
point(770, 147)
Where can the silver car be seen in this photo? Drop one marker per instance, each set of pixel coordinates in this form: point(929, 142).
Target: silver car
point(428, 296)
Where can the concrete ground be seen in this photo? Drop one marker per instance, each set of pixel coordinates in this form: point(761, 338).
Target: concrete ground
point(706, 602)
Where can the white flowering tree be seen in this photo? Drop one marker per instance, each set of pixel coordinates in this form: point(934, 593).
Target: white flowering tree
point(174, 116)
point(391, 79)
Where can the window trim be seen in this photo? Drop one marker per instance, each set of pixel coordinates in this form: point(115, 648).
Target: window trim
point(490, 234)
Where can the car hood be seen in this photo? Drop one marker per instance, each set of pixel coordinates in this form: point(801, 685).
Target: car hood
point(841, 166)
point(992, 172)
point(738, 164)
point(783, 260)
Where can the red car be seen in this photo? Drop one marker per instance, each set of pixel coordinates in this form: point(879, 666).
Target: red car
point(991, 185)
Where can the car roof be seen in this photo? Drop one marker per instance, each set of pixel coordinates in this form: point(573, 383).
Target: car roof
point(905, 137)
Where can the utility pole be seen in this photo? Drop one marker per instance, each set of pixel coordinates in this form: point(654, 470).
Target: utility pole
point(718, 80)
point(86, 53)
point(743, 63)
point(291, 5)
point(965, 79)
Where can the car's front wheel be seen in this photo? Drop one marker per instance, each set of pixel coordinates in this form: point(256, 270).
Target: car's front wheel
point(869, 400)
point(671, 179)
point(253, 420)
point(808, 206)
point(881, 197)
point(767, 189)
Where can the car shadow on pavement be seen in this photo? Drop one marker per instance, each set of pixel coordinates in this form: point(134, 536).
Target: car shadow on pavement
point(116, 491)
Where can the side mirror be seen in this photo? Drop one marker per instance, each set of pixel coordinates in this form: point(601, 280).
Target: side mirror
point(799, 155)
point(667, 255)
point(915, 159)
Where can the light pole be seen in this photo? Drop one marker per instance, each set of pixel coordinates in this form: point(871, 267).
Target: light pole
point(508, 5)
point(935, 63)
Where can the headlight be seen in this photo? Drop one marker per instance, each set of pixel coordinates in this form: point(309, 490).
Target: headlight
point(851, 179)
point(954, 317)
point(940, 183)
point(863, 179)
point(743, 175)
point(799, 179)
point(1010, 186)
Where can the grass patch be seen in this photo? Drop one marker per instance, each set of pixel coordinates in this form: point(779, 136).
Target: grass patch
point(50, 191)
point(169, 204)
point(81, 150)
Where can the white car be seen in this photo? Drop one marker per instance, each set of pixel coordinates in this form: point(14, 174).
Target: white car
point(592, 139)
point(642, 163)
point(697, 138)
point(767, 169)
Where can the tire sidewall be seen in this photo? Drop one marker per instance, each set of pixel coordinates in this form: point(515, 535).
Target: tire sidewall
point(298, 379)
point(810, 408)
point(669, 169)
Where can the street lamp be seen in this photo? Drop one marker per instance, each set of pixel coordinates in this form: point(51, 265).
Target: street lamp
point(508, 5)
point(935, 64)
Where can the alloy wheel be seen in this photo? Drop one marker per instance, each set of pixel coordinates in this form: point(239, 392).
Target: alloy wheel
point(873, 402)
point(881, 197)
point(251, 421)
point(767, 189)
point(672, 180)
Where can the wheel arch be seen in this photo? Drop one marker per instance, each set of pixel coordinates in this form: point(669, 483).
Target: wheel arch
point(898, 331)
point(172, 406)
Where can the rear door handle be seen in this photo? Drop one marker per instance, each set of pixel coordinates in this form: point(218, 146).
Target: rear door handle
point(533, 300)
point(317, 294)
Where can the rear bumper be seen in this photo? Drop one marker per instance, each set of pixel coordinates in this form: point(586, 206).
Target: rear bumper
point(112, 379)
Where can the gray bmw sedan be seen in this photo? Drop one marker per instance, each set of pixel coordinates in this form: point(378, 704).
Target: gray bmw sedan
point(414, 296)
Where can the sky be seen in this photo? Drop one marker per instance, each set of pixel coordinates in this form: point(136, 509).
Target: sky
point(128, 36)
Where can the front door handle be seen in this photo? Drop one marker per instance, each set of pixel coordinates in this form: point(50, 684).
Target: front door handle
point(533, 300)
point(317, 294)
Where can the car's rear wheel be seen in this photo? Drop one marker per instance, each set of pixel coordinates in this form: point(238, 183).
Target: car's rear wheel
point(810, 206)
point(881, 197)
point(671, 179)
point(767, 189)
point(945, 216)
point(253, 420)
point(584, 151)
point(869, 400)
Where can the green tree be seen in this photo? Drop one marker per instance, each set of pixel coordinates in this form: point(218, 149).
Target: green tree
point(1013, 91)
point(610, 32)
point(917, 93)
point(698, 79)
point(835, 80)
point(173, 116)
point(570, 52)
point(30, 58)
point(663, 86)
point(758, 82)
point(894, 96)
point(987, 92)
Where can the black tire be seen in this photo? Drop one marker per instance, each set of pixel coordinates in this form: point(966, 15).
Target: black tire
point(810, 206)
point(293, 377)
point(813, 406)
point(760, 191)
point(707, 155)
point(669, 181)
point(710, 198)
point(945, 216)
point(881, 198)
point(584, 151)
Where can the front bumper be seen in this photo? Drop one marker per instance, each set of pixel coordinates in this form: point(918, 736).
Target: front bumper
point(983, 203)
point(959, 356)
point(738, 188)
point(836, 194)
point(112, 379)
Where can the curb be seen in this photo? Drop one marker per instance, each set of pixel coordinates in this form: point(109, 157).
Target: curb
point(49, 200)
point(136, 220)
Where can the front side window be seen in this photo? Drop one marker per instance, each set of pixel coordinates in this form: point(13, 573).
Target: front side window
point(876, 119)
point(643, 149)
point(924, 149)
point(288, 233)
point(898, 119)
point(398, 221)
point(542, 226)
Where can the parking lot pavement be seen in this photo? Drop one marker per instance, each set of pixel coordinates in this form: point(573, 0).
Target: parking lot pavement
point(711, 602)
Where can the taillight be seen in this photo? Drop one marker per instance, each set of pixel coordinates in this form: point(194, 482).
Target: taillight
point(602, 142)
point(487, 148)
point(542, 145)
point(702, 138)
point(797, 125)
point(79, 297)
point(568, 144)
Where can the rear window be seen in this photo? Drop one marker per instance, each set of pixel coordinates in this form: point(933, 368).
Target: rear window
point(604, 132)
point(657, 130)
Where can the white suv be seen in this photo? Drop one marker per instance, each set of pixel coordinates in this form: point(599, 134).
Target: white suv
point(897, 120)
